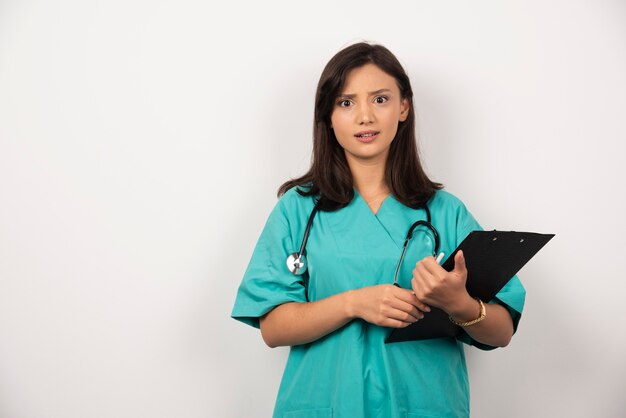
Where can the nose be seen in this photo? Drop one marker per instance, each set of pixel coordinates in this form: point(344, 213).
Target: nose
point(365, 115)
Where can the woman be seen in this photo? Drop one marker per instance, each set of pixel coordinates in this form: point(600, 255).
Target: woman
point(369, 187)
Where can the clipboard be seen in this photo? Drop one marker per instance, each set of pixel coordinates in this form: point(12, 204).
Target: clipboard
point(492, 259)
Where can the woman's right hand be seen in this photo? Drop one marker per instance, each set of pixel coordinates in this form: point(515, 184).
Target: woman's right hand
point(387, 306)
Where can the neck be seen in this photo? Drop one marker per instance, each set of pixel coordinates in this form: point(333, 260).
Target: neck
point(369, 176)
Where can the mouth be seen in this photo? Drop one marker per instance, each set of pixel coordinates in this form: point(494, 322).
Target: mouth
point(366, 136)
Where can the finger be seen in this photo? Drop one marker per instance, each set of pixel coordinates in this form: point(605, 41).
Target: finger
point(459, 263)
point(394, 323)
point(410, 297)
point(406, 295)
point(399, 314)
point(417, 284)
point(422, 306)
point(424, 274)
point(432, 266)
point(423, 284)
point(404, 306)
point(388, 313)
point(407, 308)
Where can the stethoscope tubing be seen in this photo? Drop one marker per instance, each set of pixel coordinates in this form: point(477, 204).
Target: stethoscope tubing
point(297, 264)
point(409, 235)
point(309, 222)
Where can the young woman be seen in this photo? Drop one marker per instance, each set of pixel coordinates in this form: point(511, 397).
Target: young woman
point(364, 189)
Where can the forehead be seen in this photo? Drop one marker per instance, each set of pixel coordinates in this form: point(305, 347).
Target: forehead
point(368, 78)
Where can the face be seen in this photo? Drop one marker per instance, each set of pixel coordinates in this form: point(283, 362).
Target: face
point(366, 114)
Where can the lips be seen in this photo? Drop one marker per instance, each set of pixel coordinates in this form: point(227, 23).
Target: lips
point(366, 136)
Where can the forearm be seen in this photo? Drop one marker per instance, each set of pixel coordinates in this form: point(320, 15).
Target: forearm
point(495, 330)
point(297, 323)
point(447, 290)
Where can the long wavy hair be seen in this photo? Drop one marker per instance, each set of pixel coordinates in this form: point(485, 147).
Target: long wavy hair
point(329, 177)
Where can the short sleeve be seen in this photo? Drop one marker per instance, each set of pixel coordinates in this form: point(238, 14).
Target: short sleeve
point(511, 296)
point(267, 282)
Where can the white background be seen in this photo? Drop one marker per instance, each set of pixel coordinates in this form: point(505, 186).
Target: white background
point(142, 143)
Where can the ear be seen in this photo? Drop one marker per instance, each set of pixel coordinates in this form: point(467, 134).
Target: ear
point(404, 110)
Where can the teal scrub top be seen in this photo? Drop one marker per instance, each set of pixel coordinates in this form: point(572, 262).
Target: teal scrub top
point(351, 372)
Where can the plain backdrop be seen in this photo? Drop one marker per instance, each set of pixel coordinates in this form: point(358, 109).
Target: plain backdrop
point(142, 144)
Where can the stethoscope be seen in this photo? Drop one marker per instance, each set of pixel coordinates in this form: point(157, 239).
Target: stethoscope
point(297, 263)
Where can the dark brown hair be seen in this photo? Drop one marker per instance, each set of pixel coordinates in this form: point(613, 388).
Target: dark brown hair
point(329, 176)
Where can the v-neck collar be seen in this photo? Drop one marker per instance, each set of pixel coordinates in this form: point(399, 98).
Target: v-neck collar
point(358, 196)
point(378, 217)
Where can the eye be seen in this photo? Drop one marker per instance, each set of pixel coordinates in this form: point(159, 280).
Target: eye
point(380, 99)
point(344, 103)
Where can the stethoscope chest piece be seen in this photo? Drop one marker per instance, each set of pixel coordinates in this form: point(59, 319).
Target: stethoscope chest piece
point(296, 263)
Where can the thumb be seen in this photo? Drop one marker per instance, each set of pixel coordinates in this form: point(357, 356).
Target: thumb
point(459, 263)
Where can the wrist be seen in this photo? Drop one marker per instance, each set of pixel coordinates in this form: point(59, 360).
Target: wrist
point(481, 315)
point(349, 303)
point(466, 309)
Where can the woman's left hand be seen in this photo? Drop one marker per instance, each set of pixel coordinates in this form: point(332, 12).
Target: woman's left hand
point(435, 286)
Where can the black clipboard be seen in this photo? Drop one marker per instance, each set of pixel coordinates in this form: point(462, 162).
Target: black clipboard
point(492, 259)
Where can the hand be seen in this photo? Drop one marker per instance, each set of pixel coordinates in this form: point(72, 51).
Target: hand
point(387, 305)
point(437, 287)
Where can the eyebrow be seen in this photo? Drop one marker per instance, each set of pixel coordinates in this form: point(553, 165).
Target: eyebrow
point(371, 93)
